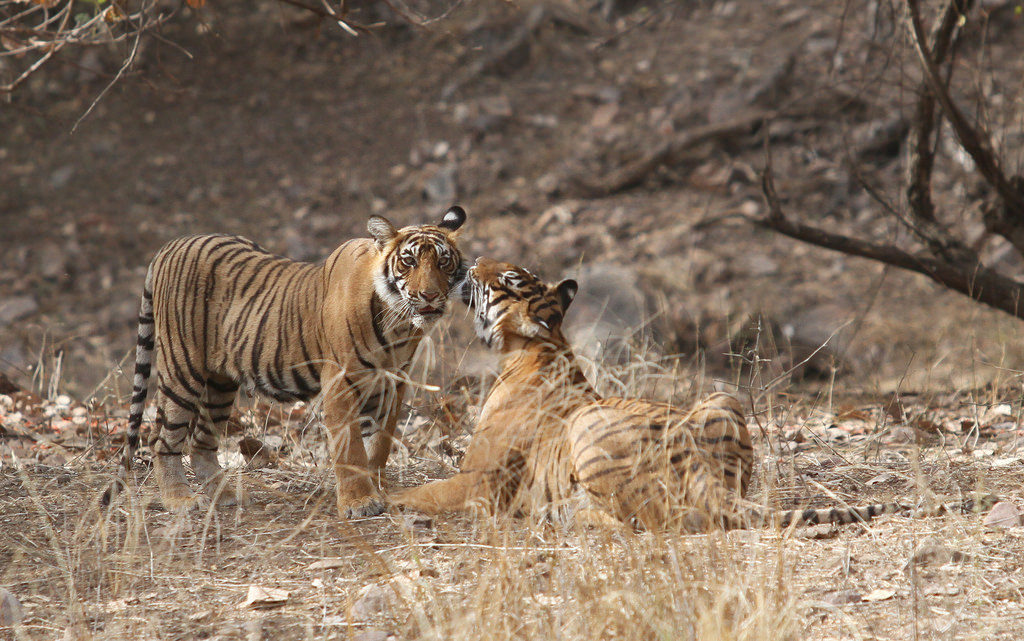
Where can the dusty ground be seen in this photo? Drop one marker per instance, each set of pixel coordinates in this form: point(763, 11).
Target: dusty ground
point(85, 572)
point(293, 136)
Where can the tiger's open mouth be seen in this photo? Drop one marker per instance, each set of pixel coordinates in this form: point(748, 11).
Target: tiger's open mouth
point(429, 311)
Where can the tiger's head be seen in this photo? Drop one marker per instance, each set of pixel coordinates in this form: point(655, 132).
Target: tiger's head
point(421, 265)
point(509, 301)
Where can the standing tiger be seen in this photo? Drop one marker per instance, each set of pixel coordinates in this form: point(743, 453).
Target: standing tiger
point(221, 312)
point(544, 429)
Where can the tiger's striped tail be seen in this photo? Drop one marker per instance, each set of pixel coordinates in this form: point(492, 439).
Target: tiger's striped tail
point(836, 515)
point(864, 513)
point(140, 385)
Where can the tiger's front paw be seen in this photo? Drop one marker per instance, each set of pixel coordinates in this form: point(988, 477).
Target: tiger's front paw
point(178, 497)
point(362, 507)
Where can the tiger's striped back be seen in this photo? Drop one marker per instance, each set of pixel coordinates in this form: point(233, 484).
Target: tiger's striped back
point(657, 466)
point(649, 463)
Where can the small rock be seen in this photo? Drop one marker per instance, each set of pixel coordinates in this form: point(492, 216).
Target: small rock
point(484, 115)
point(441, 187)
point(604, 115)
point(1003, 515)
point(62, 425)
point(61, 176)
point(440, 149)
point(10, 609)
point(253, 451)
point(836, 434)
point(51, 261)
point(544, 121)
point(750, 208)
point(1003, 409)
point(549, 184)
point(16, 308)
point(610, 312)
point(373, 600)
point(1005, 462)
point(759, 265)
point(936, 589)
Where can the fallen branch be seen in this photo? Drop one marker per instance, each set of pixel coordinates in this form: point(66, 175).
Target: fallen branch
point(668, 152)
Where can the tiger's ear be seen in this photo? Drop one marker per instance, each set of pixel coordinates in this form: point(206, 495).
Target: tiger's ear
point(453, 218)
point(381, 229)
point(566, 291)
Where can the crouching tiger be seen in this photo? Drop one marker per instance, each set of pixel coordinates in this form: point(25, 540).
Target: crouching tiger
point(543, 430)
point(221, 312)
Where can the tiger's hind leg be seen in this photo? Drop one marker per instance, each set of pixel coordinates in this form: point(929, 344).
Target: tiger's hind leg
point(216, 409)
point(175, 417)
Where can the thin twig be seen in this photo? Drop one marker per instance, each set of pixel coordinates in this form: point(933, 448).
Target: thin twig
point(120, 72)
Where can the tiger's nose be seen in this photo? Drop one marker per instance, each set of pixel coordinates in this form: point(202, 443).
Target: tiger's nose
point(430, 297)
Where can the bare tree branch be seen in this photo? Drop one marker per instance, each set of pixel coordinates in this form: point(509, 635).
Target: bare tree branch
point(974, 143)
point(33, 32)
point(922, 147)
point(922, 156)
point(972, 279)
point(43, 30)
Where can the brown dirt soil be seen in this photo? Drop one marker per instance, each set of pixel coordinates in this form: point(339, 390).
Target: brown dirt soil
point(137, 570)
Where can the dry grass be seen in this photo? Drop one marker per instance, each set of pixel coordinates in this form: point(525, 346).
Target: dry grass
point(136, 571)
